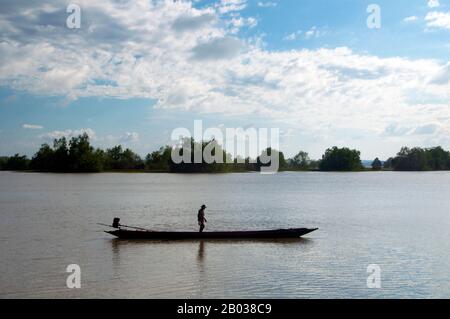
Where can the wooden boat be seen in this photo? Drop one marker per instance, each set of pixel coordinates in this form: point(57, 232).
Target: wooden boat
point(157, 235)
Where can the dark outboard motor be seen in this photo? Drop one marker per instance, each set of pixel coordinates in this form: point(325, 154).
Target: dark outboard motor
point(116, 222)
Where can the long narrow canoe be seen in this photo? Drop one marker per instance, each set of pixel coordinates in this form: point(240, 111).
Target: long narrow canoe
point(264, 234)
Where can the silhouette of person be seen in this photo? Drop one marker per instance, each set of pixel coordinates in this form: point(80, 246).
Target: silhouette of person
point(201, 218)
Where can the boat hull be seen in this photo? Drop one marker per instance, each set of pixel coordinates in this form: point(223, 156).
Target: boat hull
point(265, 234)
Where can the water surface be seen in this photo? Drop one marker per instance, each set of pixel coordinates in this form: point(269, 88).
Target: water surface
point(399, 221)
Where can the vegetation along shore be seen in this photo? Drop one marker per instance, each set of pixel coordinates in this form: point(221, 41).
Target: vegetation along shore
point(78, 155)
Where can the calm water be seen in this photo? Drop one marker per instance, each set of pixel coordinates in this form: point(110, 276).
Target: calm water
point(399, 221)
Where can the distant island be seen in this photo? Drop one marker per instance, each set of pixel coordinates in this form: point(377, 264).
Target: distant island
point(78, 155)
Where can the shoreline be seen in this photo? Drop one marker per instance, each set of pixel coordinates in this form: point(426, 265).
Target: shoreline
point(219, 173)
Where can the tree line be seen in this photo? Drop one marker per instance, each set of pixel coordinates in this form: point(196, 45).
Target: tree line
point(78, 155)
point(419, 159)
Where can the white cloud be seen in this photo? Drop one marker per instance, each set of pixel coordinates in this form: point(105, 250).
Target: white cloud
point(104, 141)
point(293, 36)
point(189, 58)
point(314, 32)
point(32, 127)
point(439, 20)
point(130, 137)
point(251, 22)
point(68, 134)
point(426, 129)
point(410, 19)
point(226, 6)
point(433, 3)
point(310, 33)
point(217, 49)
point(267, 4)
point(237, 23)
point(442, 76)
point(393, 129)
point(194, 22)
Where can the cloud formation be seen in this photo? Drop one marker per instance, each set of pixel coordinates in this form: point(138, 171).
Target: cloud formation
point(196, 59)
point(217, 49)
point(194, 22)
point(32, 127)
point(68, 134)
point(226, 6)
point(439, 20)
point(267, 4)
point(410, 19)
point(129, 137)
point(433, 3)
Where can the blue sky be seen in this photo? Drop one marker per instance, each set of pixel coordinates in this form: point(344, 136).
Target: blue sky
point(137, 70)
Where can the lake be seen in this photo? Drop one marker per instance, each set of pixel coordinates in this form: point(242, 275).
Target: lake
point(397, 221)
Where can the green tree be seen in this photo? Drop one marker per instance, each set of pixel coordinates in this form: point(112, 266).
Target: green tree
point(131, 160)
point(301, 160)
point(44, 159)
point(159, 160)
point(414, 159)
point(17, 163)
point(118, 159)
point(269, 152)
point(187, 149)
point(314, 164)
point(78, 156)
point(340, 159)
point(376, 164)
point(62, 161)
point(113, 157)
point(82, 156)
point(419, 159)
point(388, 163)
point(438, 158)
point(3, 160)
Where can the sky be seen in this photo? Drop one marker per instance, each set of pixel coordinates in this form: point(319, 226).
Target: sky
point(136, 70)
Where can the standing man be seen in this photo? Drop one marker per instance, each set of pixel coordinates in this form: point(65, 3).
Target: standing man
point(201, 218)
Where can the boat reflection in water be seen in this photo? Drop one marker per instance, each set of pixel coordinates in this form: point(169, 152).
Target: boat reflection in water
point(130, 245)
point(197, 268)
point(201, 251)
